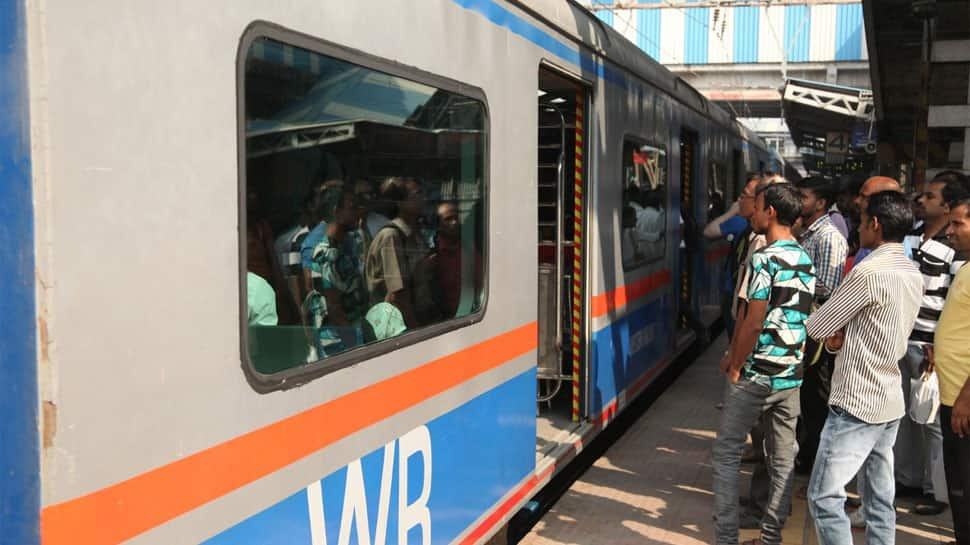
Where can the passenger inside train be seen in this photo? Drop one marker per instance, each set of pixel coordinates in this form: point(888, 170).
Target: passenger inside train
point(365, 211)
point(644, 210)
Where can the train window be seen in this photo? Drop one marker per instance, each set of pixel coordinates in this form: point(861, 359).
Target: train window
point(364, 209)
point(644, 215)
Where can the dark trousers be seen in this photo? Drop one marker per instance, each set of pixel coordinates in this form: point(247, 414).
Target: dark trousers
point(726, 300)
point(956, 461)
point(816, 386)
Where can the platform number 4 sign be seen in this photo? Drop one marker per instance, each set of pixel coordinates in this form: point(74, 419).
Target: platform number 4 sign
point(836, 146)
point(836, 142)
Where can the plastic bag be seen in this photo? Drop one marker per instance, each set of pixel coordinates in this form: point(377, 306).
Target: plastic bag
point(924, 398)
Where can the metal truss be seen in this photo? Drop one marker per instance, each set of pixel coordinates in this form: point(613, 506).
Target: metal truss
point(853, 103)
point(307, 136)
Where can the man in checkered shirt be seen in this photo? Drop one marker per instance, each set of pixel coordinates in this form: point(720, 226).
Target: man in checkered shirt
point(828, 249)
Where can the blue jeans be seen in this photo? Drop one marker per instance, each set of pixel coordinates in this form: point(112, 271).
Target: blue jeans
point(849, 444)
point(744, 403)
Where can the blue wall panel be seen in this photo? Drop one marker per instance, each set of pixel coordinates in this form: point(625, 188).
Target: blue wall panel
point(19, 440)
point(798, 32)
point(648, 23)
point(746, 26)
point(696, 35)
point(848, 32)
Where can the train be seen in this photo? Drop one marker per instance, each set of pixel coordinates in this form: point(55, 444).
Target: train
point(331, 273)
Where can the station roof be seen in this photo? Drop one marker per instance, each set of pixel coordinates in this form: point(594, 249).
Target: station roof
point(894, 34)
point(814, 110)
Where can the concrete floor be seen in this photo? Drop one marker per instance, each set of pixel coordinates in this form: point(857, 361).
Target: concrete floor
point(654, 484)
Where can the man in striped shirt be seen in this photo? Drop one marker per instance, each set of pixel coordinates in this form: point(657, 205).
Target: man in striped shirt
point(919, 448)
point(764, 365)
point(875, 306)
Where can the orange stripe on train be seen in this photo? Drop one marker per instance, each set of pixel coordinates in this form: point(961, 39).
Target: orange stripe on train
point(610, 301)
point(126, 509)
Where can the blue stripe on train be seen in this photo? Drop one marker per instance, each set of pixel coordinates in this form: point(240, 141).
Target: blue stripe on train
point(19, 441)
point(502, 17)
point(477, 453)
point(629, 347)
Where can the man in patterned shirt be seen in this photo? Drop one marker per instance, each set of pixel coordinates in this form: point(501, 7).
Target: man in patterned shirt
point(764, 365)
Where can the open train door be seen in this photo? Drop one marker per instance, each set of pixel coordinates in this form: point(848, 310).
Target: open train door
point(560, 220)
point(687, 319)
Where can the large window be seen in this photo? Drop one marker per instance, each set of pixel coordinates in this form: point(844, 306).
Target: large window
point(644, 214)
point(364, 208)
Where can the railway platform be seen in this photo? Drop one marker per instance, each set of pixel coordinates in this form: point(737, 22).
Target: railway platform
point(654, 485)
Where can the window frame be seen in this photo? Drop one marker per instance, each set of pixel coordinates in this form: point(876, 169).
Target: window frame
point(303, 374)
point(641, 140)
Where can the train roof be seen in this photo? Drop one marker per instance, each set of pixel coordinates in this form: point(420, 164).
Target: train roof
point(579, 24)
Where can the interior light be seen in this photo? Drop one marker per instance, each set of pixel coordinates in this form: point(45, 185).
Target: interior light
point(541, 92)
point(558, 100)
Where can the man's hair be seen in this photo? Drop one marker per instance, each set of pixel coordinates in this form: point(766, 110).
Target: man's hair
point(894, 212)
point(823, 188)
point(850, 184)
point(965, 201)
point(956, 186)
point(652, 198)
point(785, 199)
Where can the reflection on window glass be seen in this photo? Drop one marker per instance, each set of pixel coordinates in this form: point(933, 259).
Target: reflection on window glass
point(364, 205)
point(644, 216)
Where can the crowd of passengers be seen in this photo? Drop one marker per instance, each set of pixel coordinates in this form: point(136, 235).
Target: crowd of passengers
point(849, 355)
point(360, 264)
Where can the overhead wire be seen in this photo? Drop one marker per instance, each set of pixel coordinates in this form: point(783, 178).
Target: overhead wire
point(724, 49)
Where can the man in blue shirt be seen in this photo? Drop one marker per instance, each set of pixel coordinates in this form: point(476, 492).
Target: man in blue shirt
point(733, 225)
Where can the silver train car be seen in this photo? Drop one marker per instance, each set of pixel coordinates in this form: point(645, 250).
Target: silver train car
point(324, 273)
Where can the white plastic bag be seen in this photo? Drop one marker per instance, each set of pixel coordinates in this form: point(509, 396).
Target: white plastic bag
point(924, 398)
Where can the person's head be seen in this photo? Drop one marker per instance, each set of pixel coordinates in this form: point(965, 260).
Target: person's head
point(872, 186)
point(887, 217)
point(929, 203)
point(449, 224)
point(775, 205)
point(652, 198)
point(959, 229)
point(321, 202)
point(406, 195)
point(748, 194)
point(817, 196)
point(848, 189)
point(364, 191)
point(956, 186)
point(345, 211)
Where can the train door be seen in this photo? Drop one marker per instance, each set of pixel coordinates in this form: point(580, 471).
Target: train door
point(561, 301)
point(688, 148)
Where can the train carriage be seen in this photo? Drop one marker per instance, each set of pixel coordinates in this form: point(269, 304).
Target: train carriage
point(155, 166)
